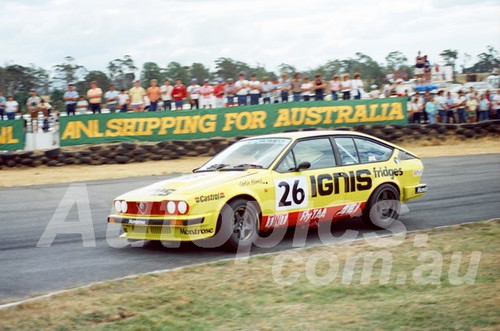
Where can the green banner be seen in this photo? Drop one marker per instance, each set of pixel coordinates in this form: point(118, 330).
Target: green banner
point(228, 122)
point(11, 135)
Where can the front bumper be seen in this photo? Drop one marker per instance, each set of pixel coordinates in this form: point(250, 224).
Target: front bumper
point(164, 229)
point(413, 192)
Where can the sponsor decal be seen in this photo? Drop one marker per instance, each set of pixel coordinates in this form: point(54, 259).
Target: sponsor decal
point(142, 206)
point(277, 220)
point(189, 232)
point(349, 209)
point(163, 192)
point(291, 192)
point(326, 184)
point(312, 215)
point(251, 182)
point(417, 172)
point(387, 172)
point(137, 222)
point(420, 189)
point(210, 197)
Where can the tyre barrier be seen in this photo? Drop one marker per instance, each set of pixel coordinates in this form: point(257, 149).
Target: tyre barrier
point(128, 152)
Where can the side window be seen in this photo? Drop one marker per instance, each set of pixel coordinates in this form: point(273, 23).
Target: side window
point(347, 151)
point(318, 152)
point(370, 151)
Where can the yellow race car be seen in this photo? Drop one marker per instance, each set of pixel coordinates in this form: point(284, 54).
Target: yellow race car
point(275, 181)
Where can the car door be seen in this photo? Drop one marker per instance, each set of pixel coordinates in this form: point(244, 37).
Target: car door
point(358, 157)
point(304, 187)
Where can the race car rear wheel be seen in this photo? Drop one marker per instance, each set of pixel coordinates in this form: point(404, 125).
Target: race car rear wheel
point(383, 207)
point(240, 218)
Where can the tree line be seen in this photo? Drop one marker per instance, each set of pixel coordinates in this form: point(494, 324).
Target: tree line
point(17, 80)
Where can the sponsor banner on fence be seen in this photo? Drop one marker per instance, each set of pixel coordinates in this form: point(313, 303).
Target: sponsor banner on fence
point(11, 135)
point(228, 122)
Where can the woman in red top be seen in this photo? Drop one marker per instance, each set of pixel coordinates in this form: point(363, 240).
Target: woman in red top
point(179, 94)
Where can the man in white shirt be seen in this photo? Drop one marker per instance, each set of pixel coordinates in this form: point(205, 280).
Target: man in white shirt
point(123, 100)
point(460, 104)
point(254, 86)
point(241, 90)
point(11, 108)
point(111, 98)
point(193, 92)
point(166, 95)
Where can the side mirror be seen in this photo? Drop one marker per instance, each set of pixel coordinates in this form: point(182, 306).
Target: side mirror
point(302, 166)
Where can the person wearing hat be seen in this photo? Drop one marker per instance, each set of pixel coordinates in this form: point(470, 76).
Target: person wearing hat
point(230, 90)
point(70, 98)
point(219, 93)
point(375, 92)
point(207, 92)
point(32, 106)
point(137, 94)
point(94, 94)
point(193, 92)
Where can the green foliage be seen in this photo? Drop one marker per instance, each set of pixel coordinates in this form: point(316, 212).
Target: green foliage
point(150, 70)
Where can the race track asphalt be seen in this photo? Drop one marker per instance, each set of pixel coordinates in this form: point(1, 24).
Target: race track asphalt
point(460, 189)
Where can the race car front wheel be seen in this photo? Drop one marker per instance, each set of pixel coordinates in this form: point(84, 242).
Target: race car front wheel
point(383, 207)
point(240, 220)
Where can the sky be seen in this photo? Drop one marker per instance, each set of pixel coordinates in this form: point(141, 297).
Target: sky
point(305, 34)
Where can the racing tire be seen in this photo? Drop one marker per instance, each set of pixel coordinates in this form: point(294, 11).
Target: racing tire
point(383, 207)
point(239, 223)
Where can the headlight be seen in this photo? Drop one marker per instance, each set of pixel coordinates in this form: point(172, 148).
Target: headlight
point(182, 207)
point(124, 206)
point(118, 206)
point(171, 207)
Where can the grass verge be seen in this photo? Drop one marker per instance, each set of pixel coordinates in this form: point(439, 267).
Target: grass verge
point(418, 294)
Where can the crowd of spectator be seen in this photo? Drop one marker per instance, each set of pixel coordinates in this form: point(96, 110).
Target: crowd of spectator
point(422, 108)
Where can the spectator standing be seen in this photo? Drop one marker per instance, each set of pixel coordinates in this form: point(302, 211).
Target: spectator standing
point(219, 93)
point(460, 104)
point(284, 87)
point(319, 86)
point(207, 92)
point(166, 95)
point(45, 108)
point(345, 86)
point(306, 88)
point(2, 105)
point(242, 90)
point(267, 88)
point(70, 98)
point(450, 106)
point(488, 97)
point(357, 86)
point(230, 91)
point(427, 70)
point(334, 87)
point(32, 106)
point(179, 93)
point(496, 106)
point(441, 106)
point(254, 86)
point(94, 94)
point(431, 110)
point(484, 107)
point(11, 108)
point(472, 105)
point(123, 100)
point(82, 105)
point(153, 93)
point(296, 87)
point(193, 92)
point(419, 67)
point(111, 97)
point(413, 109)
point(137, 94)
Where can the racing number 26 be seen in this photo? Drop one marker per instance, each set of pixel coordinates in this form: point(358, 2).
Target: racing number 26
point(291, 193)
